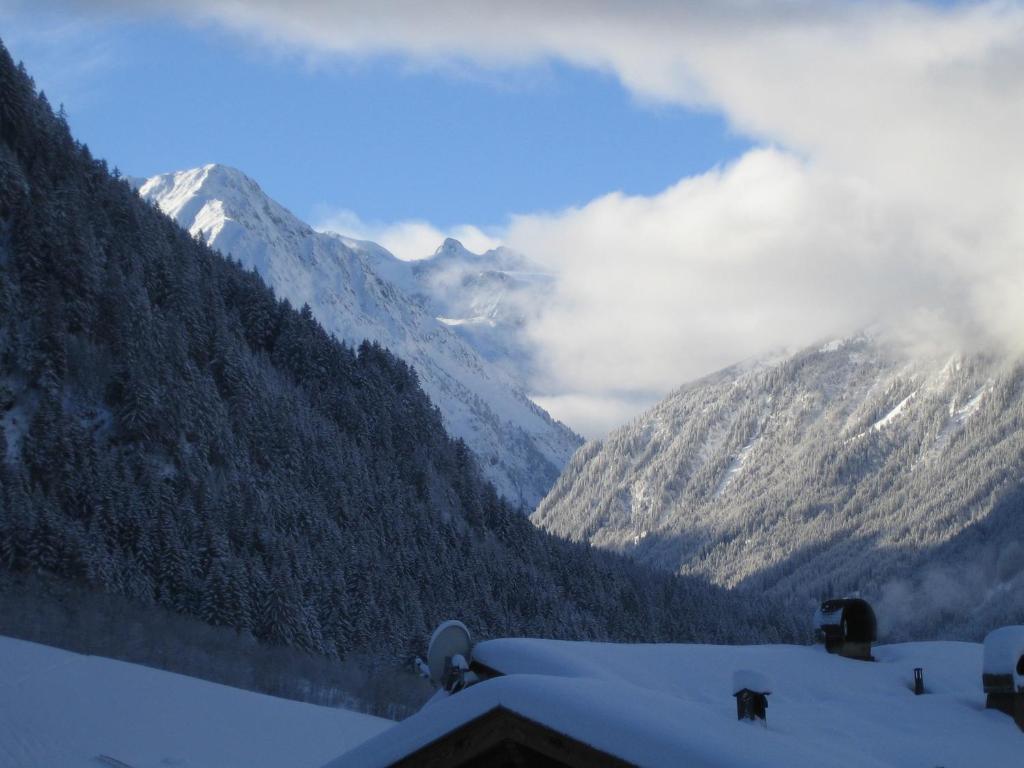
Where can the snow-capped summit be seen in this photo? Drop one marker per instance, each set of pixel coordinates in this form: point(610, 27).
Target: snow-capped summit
point(215, 195)
point(358, 290)
point(486, 298)
point(500, 259)
point(450, 247)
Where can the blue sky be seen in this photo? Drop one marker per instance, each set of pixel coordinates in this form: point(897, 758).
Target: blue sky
point(379, 137)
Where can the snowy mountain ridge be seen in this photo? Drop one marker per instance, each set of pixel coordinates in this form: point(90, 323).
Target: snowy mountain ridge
point(848, 466)
point(486, 299)
point(358, 290)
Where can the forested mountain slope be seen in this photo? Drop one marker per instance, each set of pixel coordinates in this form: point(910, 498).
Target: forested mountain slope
point(360, 291)
point(175, 433)
point(850, 466)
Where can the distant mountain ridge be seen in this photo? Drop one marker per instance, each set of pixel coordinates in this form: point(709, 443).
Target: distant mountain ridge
point(849, 466)
point(358, 290)
point(485, 298)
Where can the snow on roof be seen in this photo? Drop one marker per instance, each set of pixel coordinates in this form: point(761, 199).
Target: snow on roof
point(667, 705)
point(635, 724)
point(60, 709)
point(1004, 649)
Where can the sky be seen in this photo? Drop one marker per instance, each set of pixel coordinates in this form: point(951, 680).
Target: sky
point(707, 181)
point(377, 136)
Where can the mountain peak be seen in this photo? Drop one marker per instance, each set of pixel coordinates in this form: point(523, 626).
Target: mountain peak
point(451, 247)
point(211, 195)
point(199, 179)
point(223, 182)
point(219, 173)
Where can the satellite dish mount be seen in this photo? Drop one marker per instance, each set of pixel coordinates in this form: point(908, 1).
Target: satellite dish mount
point(448, 656)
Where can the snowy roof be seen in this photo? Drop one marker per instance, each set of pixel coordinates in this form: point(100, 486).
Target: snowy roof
point(60, 709)
point(635, 724)
point(666, 705)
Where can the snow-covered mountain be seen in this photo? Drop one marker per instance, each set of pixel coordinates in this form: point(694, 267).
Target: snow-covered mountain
point(484, 298)
point(487, 299)
point(848, 466)
point(358, 290)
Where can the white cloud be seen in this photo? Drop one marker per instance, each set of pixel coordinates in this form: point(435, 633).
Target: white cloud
point(594, 414)
point(766, 252)
point(408, 240)
point(890, 186)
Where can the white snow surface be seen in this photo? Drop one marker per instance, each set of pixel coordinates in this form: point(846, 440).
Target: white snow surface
point(672, 705)
point(358, 290)
point(894, 413)
point(64, 710)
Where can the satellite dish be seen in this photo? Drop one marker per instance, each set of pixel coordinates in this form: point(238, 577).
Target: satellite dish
point(448, 652)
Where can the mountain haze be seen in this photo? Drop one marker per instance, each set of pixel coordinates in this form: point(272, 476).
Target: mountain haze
point(850, 466)
point(359, 291)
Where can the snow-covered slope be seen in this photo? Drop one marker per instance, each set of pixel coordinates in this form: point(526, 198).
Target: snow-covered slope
point(360, 291)
point(63, 710)
point(672, 705)
point(847, 466)
point(487, 299)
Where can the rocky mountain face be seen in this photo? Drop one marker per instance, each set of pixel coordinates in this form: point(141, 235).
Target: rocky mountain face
point(848, 467)
point(358, 290)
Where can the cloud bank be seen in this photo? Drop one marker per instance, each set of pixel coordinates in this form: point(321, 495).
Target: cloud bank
point(764, 253)
point(889, 185)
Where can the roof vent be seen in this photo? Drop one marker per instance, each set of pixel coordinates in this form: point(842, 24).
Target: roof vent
point(846, 626)
point(751, 690)
point(918, 681)
point(1002, 675)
